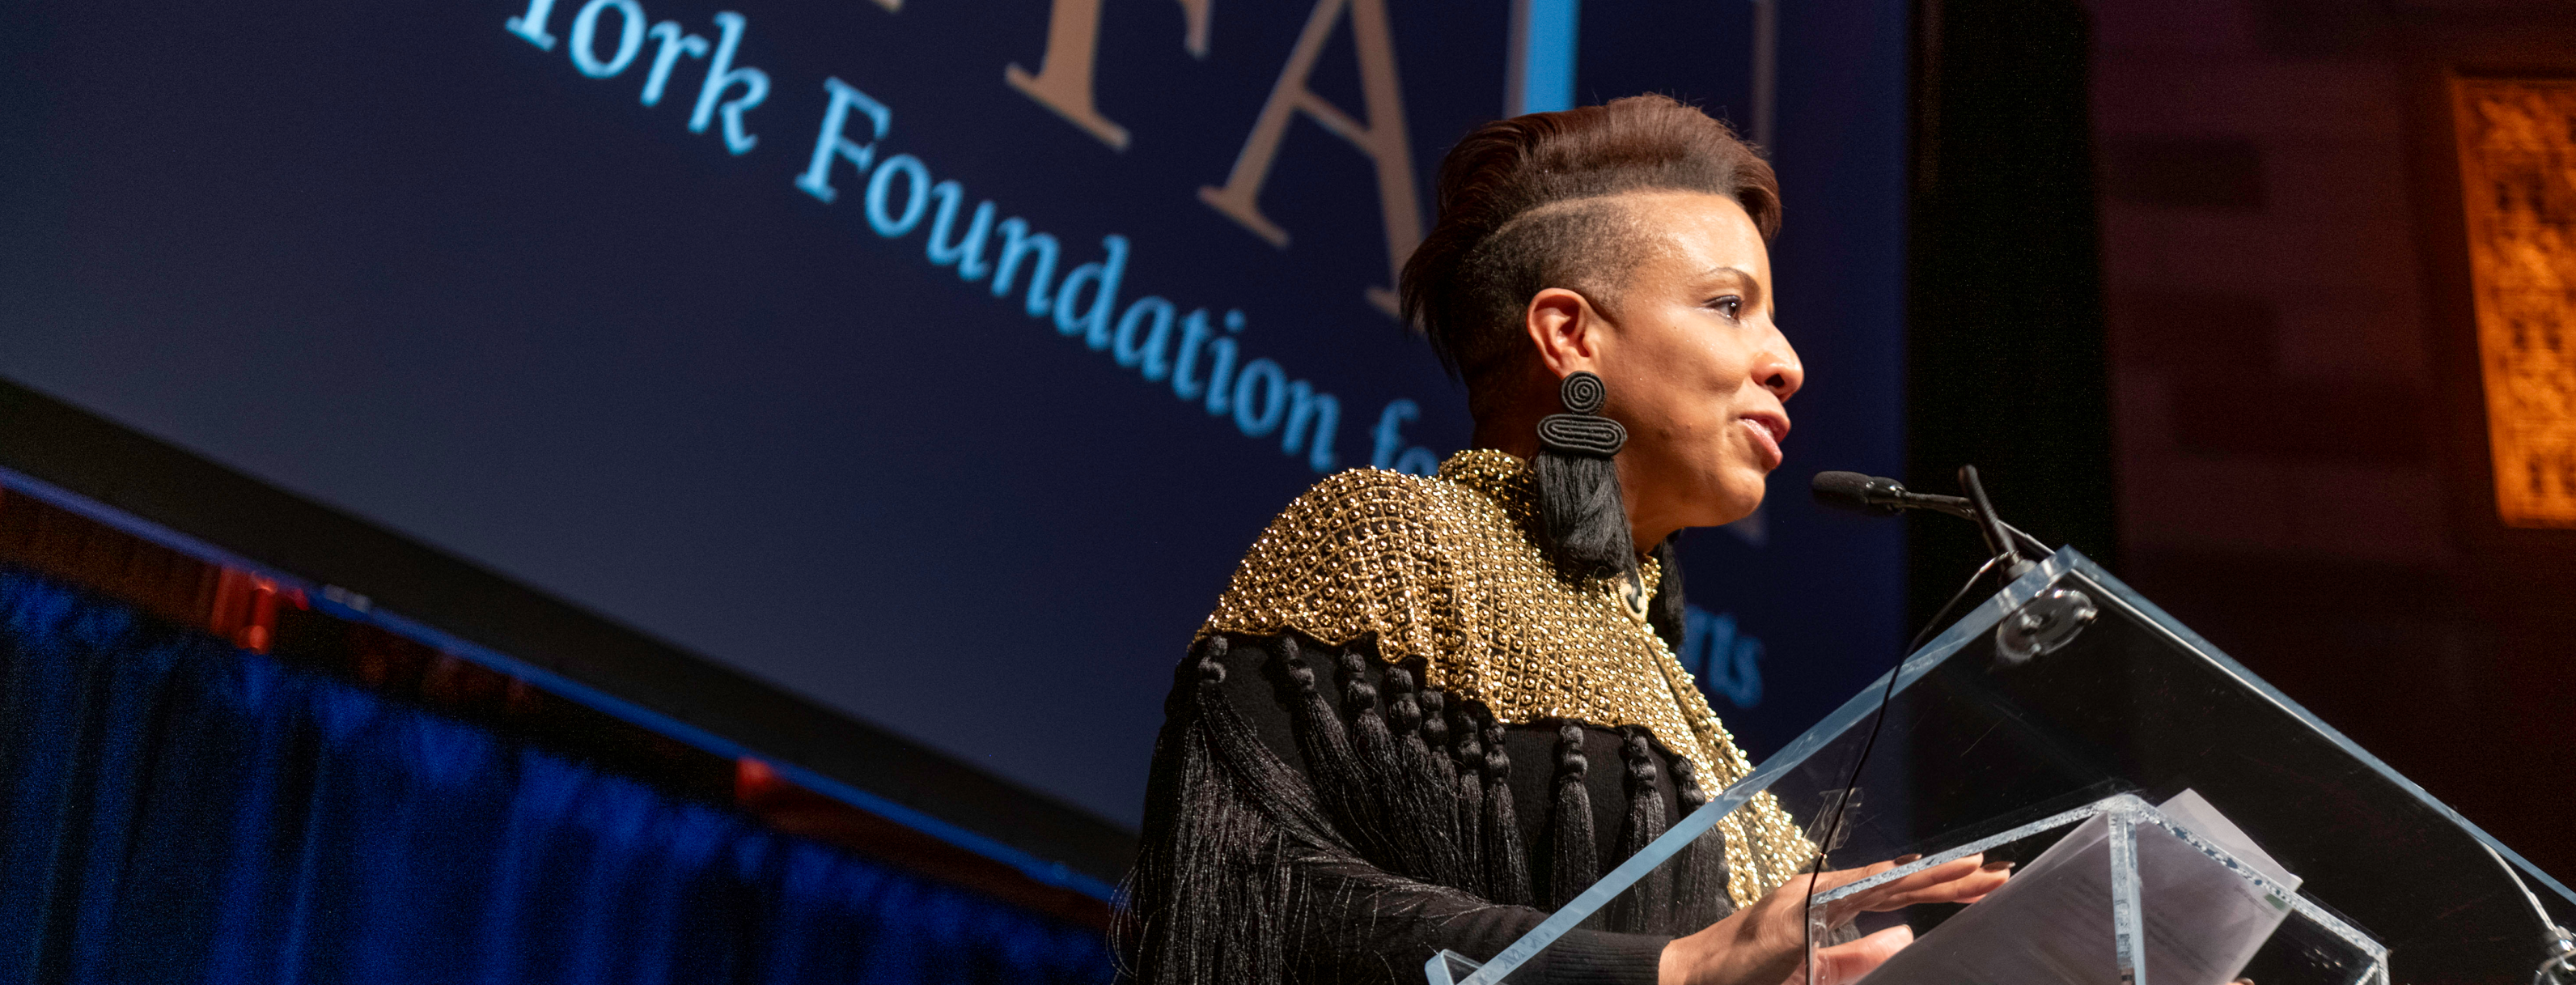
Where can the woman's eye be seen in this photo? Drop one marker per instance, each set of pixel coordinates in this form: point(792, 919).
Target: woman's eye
point(1730, 306)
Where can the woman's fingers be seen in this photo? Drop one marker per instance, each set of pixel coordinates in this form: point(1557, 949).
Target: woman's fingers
point(1939, 873)
point(1956, 881)
point(1965, 888)
point(1942, 874)
point(1961, 880)
point(1844, 963)
point(1828, 881)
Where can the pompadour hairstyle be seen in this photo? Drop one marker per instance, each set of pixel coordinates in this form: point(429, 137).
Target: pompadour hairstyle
point(1531, 202)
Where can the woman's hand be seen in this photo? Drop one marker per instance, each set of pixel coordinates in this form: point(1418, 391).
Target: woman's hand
point(1843, 963)
point(1766, 942)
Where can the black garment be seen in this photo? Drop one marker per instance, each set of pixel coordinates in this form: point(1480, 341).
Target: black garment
point(1313, 817)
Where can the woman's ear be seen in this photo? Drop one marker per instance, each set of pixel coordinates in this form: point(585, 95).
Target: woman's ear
point(1566, 329)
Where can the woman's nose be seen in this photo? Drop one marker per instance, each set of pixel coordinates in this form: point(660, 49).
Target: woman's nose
point(1778, 368)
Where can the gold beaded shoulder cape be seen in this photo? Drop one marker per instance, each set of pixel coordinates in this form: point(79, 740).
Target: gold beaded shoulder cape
point(1404, 727)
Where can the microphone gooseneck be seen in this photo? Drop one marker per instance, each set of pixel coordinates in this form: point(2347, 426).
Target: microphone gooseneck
point(1998, 543)
point(1881, 496)
point(2559, 967)
point(1878, 495)
point(1855, 492)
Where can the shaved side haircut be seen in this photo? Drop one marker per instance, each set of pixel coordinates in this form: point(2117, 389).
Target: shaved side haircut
point(1545, 200)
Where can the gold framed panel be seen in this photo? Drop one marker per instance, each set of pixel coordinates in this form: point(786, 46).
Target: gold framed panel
point(2517, 144)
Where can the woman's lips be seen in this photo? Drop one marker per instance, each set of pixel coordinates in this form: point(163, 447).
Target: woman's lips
point(1765, 441)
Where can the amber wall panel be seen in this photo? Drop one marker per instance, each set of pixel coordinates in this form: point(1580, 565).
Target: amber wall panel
point(2518, 185)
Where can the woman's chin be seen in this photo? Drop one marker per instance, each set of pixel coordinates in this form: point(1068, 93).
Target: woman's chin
point(1735, 499)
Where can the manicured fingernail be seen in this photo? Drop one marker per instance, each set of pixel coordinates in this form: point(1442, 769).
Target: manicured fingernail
point(1902, 859)
point(1999, 866)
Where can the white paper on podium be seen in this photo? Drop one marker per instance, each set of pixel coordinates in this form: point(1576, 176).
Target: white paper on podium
point(2051, 922)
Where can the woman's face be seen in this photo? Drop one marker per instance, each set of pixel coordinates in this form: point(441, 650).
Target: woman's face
point(1694, 367)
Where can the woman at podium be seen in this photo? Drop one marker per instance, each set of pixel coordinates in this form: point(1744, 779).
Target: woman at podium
point(1429, 709)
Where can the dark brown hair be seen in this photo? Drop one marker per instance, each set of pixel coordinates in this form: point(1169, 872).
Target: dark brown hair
point(1529, 203)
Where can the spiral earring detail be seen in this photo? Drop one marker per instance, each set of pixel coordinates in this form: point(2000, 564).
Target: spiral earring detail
point(1582, 430)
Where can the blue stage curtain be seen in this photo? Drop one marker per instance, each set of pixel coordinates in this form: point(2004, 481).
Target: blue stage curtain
point(179, 811)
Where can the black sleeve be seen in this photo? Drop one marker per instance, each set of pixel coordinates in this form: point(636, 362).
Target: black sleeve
point(1248, 875)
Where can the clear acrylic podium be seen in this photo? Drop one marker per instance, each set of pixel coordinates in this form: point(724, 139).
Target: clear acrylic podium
point(2195, 824)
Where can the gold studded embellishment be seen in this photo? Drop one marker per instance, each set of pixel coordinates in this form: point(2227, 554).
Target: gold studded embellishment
point(1444, 570)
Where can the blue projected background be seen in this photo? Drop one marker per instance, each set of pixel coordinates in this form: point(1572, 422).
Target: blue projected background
point(935, 360)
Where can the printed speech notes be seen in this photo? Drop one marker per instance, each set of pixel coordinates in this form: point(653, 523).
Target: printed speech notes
point(2052, 921)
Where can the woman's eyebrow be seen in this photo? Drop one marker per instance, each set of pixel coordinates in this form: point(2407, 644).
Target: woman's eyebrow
point(1742, 277)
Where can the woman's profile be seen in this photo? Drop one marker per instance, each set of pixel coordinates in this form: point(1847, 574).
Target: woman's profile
point(1429, 709)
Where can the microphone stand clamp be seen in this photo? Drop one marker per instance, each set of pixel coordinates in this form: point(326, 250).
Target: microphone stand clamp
point(2560, 967)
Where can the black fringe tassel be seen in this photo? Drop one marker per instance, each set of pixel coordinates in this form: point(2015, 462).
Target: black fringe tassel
point(1239, 846)
point(1665, 612)
point(1573, 861)
point(1581, 514)
point(1339, 783)
point(1646, 907)
point(1506, 861)
point(1236, 846)
point(1423, 791)
point(1699, 875)
point(1469, 756)
point(1189, 916)
point(1399, 803)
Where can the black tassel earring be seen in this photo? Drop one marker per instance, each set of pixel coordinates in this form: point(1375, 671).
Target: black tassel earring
point(1580, 509)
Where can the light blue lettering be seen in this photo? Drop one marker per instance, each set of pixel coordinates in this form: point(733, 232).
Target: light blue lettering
point(1194, 333)
point(1092, 324)
point(1262, 384)
point(721, 75)
point(1144, 351)
point(1260, 398)
point(674, 44)
point(1221, 374)
point(968, 253)
point(832, 143)
point(1018, 241)
point(532, 25)
point(916, 198)
point(1418, 461)
point(585, 37)
point(1387, 439)
point(1727, 663)
point(1305, 408)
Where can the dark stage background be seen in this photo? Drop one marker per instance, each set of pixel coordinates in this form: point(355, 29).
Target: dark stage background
point(2190, 283)
point(415, 265)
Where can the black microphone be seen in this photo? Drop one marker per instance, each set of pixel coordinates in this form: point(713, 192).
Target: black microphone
point(1881, 496)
